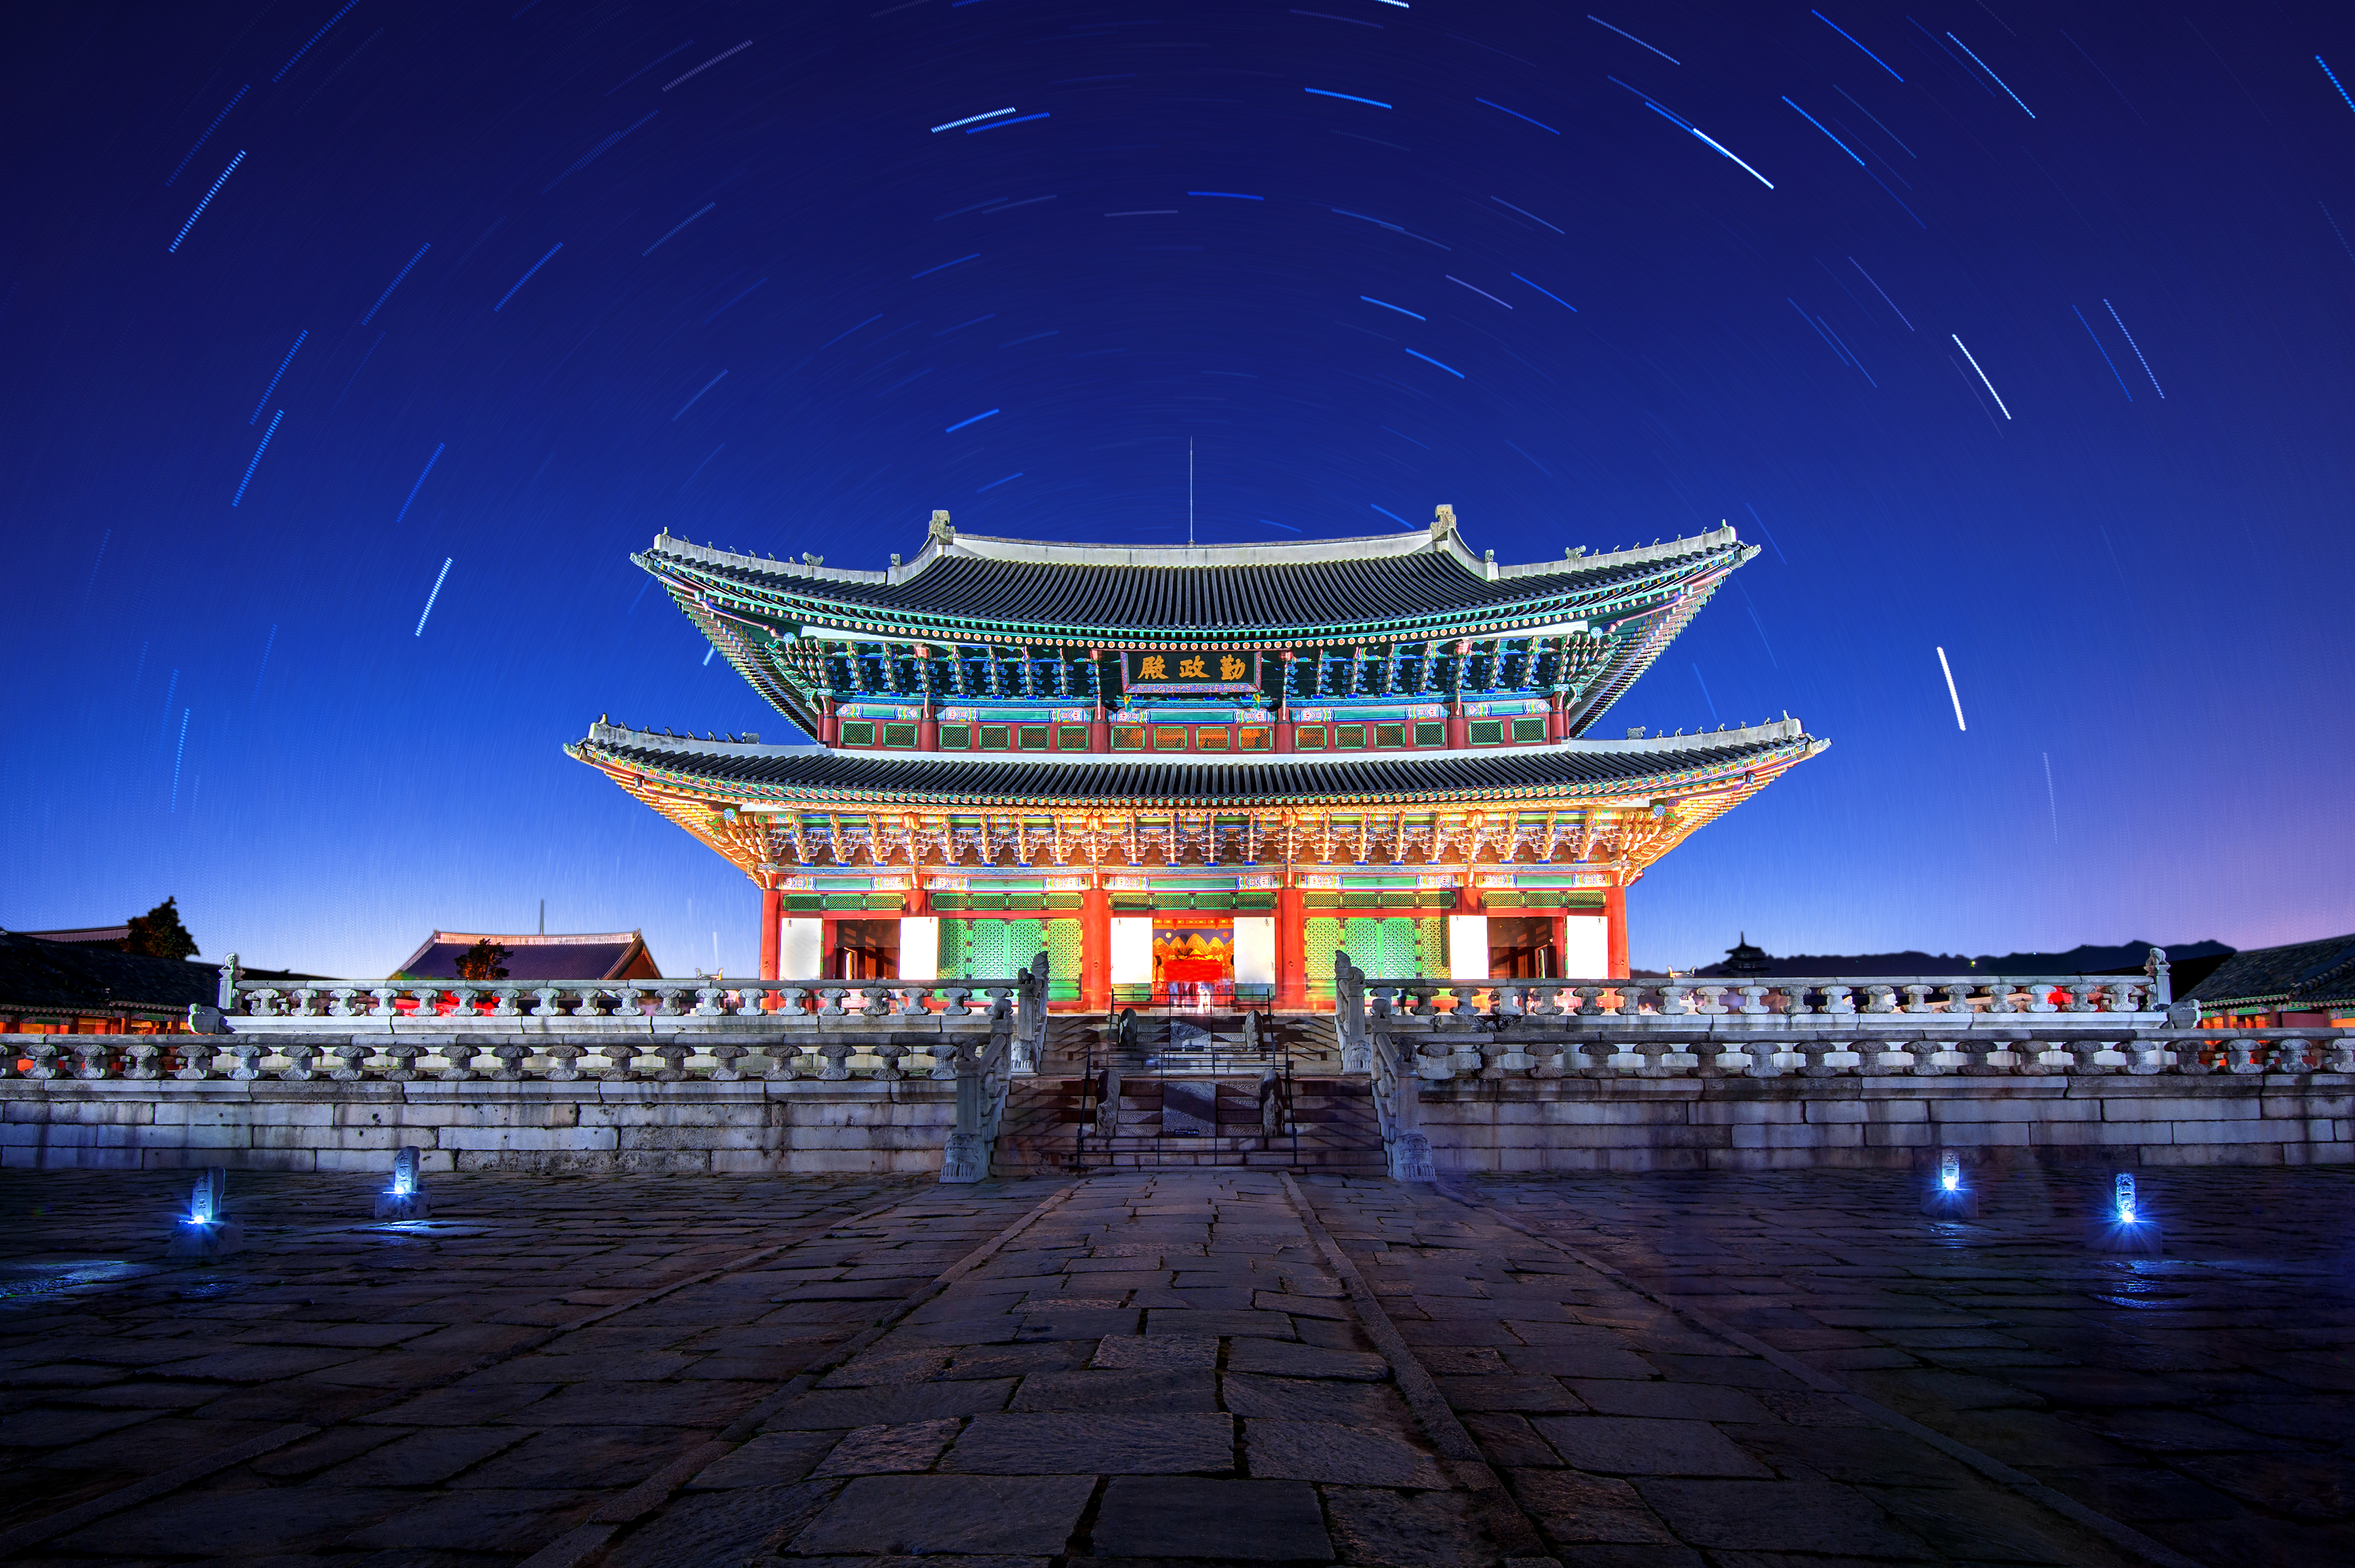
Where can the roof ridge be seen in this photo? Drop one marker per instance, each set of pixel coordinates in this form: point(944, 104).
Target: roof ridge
point(1439, 541)
point(606, 733)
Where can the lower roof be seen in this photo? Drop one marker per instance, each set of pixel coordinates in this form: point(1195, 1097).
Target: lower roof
point(746, 773)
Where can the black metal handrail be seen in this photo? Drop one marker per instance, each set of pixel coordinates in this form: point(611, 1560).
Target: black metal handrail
point(1098, 1077)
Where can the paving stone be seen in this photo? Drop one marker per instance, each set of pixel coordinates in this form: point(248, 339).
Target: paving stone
point(421, 1459)
point(1866, 1455)
point(154, 1444)
point(1508, 1440)
point(1574, 1508)
point(2302, 1487)
point(1328, 1451)
point(1234, 1324)
point(1636, 1446)
point(941, 1514)
point(1157, 1351)
point(722, 1528)
point(1676, 1401)
point(1219, 1520)
point(1779, 1516)
point(1424, 1529)
point(771, 1458)
point(1510, 1391)
point(1105, 1445)
point(1315, 1399)
point(2179, 1432)
point(1131, 1393)
point(64, 1428)
point(1279, 1358)
point(1991, 1527)
point(230, 1524)
point(1018, 1360)
point(313, 1454)
point(885, 1450)
point(1052, 1322)
point(585, 1457)
point(642, 1403)
point(482, 1519)
point(900, 1405)
point(1576, 1361)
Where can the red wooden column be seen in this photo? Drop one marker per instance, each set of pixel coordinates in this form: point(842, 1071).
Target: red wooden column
point(1095, 950)
point(1291, 950)
point(772, 909)
point(1614, 930)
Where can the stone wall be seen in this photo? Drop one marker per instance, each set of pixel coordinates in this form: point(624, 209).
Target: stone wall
point(865, 1125)
point(265, 1124)
point(1773, 1124)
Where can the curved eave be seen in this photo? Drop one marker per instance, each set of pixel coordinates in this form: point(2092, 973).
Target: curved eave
point(1698, 789)
point(786, 608)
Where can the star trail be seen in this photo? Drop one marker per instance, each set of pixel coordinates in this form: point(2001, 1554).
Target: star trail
point(534, 285)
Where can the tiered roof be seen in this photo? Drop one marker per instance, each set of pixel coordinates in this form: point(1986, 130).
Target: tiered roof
point(745, 772)
point(1415, 588)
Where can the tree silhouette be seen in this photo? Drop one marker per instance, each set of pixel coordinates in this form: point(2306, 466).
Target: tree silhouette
point(158, 933)
point(486, 960)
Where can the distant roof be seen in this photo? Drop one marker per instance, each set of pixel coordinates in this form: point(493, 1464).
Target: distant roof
point(2300, 977)
point(1401, 585)
point(84, 934)
point(605, 955)
point(744, 771)
point(39, 974)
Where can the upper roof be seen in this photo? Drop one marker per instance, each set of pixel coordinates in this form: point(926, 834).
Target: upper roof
point(1381, 588)
point(745, 772)
point(611, 955)
point(2300, 976)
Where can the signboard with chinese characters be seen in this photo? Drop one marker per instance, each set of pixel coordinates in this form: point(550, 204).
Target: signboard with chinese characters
point(1179, 671)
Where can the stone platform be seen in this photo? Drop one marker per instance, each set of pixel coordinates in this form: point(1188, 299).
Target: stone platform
point(1177, 1368)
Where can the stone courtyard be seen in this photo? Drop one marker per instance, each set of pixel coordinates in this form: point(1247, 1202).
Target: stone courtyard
point(1178, 1366)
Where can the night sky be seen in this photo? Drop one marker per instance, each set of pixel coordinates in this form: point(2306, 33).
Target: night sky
point(557, 276)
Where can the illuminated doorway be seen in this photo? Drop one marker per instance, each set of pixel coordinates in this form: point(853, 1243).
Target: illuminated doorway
point(1194, 960)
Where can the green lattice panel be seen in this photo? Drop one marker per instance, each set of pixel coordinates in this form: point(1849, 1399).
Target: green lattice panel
point(977, 949)
point(1322, 937)
point(1063, 961)
point(1430, 945)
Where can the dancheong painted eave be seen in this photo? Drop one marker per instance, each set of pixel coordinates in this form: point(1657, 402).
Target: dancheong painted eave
point(749, 776)
point(1380, 589)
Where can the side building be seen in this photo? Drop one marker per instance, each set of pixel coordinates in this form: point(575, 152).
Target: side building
point(1194, 773)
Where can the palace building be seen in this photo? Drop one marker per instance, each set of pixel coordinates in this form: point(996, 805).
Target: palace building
point(1193, 773)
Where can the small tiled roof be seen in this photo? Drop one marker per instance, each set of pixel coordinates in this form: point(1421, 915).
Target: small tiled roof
point(595, 956)
point(37, 975)
point(2317, 974)
point(741, 769)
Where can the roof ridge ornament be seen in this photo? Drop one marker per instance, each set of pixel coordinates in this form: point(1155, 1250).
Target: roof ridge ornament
point(941, 529)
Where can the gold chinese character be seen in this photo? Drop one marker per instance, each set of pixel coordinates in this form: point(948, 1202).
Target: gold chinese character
point(1151, 668)
point(1191, 669)
point(1231, 668)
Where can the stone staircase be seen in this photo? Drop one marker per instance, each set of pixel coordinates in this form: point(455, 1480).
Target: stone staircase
point(1337, 1128)
point(1190, 1043)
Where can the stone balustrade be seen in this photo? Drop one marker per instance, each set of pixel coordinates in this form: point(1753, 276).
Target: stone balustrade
point(200, 1058)
point(648, 1007)
point(1655, 1003)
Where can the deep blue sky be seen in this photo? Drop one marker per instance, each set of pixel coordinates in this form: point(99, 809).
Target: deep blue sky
point(2142, 595)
